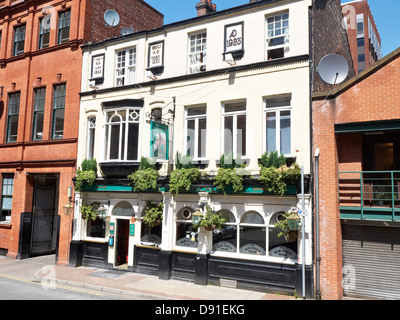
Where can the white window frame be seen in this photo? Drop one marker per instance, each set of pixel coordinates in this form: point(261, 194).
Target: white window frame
point(277, 111)
point(91, 137)
point(196, 119)
point(271, 33)
point(193, 51)
point(233, 114)
point(127, 57)
point(107, 133)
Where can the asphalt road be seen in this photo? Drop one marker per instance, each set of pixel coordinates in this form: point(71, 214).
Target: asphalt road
point(16, 288)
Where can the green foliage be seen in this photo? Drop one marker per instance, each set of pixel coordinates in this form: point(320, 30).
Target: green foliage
point(89, 164)
point(183, 162)
point(229, 177)
point(273, 160)
point(273, 180)
point(275, 175)
point(145, 178)
point(153, 213)
point(84, 177)
point(228, 162)
point(88, 212)
point(211, 220)
point(146, 163)
point(87, 175)
point(283, 224)
point(181, 179)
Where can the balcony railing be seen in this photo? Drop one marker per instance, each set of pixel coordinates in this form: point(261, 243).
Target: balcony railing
point(369, 195)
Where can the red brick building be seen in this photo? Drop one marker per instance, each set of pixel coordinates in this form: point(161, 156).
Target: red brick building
point(356, 127)
point(40, 80)
point(363, 34)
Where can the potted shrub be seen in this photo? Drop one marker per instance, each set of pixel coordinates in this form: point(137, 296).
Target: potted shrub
point(183, 175)
point(230, 174)
point(87, 175)
point(88, 212)
point(153, 214)
point(145, 178)
point(211, 220)
point(289, 224)
point(275, 175)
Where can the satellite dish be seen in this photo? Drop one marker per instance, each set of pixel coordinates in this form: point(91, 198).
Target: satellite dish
point(126, 31)
point(333, 68)
point(111, 17)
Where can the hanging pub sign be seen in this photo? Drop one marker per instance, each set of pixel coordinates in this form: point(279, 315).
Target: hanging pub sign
point(97, 67)
point(156, 56)
point(158, 140)
point(234, 38)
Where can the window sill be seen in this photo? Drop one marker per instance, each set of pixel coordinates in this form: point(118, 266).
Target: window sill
point(5, 225)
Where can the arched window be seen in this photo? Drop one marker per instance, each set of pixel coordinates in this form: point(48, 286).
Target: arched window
point(122, 134)
point(123, 208)
point(225, 239)
point(278, 245)
point(96, 228)
point(252, 234)
point(186, 235)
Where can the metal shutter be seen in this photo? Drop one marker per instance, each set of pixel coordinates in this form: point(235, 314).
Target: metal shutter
point(371, 262)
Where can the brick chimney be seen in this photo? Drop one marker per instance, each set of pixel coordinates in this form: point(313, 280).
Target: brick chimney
point(205, 7)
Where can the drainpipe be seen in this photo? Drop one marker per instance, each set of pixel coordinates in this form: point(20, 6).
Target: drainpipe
point(318, 257)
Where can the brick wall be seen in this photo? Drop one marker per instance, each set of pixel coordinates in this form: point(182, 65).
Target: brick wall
point(328, 37)
point(371, 96)
point(136, 14)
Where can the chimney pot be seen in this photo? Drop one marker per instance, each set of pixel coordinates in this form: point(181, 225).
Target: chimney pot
point(205, 7)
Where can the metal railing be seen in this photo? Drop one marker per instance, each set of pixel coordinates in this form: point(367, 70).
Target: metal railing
point(371, 192)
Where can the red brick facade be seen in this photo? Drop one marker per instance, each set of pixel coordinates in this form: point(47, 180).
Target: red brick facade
point(45, 68)
point(371, 96)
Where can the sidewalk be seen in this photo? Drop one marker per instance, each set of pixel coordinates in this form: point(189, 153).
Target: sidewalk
point(123, 282)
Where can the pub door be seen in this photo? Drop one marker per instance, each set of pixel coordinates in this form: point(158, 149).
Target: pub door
point(122, 243)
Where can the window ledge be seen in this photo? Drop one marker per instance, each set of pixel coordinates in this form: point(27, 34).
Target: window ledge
point(5, 225)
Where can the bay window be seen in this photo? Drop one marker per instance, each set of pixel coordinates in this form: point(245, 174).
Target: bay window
point(122, 134)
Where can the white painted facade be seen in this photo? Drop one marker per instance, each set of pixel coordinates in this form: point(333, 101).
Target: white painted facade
point(252, 80)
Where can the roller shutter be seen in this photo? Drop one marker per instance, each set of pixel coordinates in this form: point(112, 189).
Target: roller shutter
point(371, 262)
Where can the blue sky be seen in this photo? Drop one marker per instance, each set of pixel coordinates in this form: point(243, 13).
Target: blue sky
point(385, 12)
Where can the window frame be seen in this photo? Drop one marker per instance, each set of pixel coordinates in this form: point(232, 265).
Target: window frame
point(238, 223)
point(128, 57)
point(91, 137)
point(196, 119)
point(13, 113)
point(5, 177)
point(125, 131)
point(277, 110)
point(20, 41)
point(234, 115)
point(59, 103)
point(202, 65)
point(63, 24)
point(285, 46)
point(38, 107)
point(44, 31)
